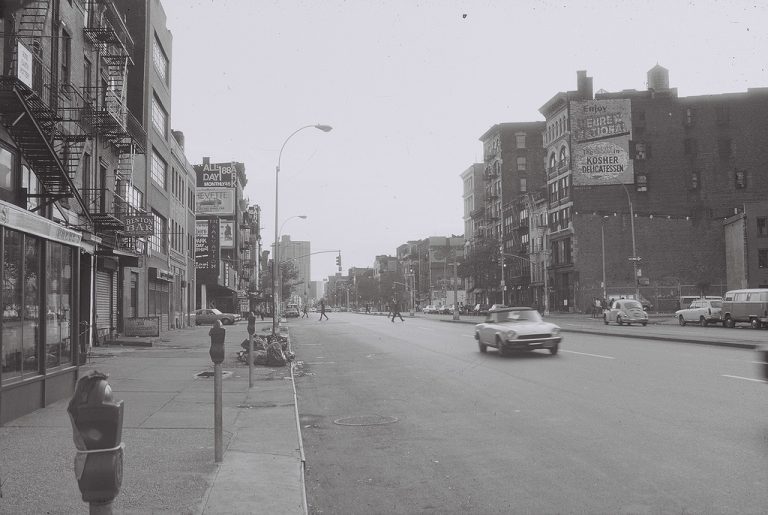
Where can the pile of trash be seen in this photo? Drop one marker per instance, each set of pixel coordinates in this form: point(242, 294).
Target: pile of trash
point(269, 350)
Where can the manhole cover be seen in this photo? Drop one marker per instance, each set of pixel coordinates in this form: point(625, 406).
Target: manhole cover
point(365, 420)
point(207, 374)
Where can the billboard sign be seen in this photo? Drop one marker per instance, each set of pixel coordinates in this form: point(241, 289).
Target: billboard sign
point(216, 175)
point(227, 234)
point(214, 201)
point(601, 133)
point(207, 247)
point(24, 64)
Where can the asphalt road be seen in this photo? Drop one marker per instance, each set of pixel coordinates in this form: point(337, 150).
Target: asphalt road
point(410, 418)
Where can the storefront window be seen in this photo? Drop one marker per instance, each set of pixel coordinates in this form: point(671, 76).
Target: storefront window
point(21, 306)
point(58, 293)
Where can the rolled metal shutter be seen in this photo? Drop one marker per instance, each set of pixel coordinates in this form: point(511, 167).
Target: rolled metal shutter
point(103, 299)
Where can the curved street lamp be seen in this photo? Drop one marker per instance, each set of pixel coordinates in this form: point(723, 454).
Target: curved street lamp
point(276, 257)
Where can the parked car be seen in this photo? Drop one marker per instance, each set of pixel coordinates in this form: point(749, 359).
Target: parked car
point(445, 310)
point(428, 310)
point(747, 305)
point(685, 300)
point(625, 311)
point(701, 311)
point(481, 309)
point(291, 311)
point(209, 316)
point(517, 329)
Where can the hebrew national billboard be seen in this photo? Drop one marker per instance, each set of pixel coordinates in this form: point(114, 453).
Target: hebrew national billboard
point(600, 135)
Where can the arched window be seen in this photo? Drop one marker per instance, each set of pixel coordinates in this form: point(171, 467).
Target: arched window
point(563, 124)
point(552, 161)
point(558, 129)
point(563, 156)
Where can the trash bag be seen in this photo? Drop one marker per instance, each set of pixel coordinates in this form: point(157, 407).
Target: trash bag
point(258, 344)
point(260, 357)
point(275, 355)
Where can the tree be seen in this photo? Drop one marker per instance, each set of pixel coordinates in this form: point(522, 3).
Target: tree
point(288, 275)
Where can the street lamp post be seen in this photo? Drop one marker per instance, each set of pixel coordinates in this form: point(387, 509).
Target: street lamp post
point(276, 258)
point(276, 293)
point(602, 237)
point(634, 257)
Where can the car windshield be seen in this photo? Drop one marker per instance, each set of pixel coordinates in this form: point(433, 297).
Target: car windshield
point(716, 303)
point(216, 312)
point(629, 304)
point(511, 317)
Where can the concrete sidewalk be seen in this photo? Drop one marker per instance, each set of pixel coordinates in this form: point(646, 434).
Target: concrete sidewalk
point(168, 435)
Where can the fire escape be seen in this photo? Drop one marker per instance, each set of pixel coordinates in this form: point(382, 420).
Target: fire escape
point(43, 117)
point(109, 116)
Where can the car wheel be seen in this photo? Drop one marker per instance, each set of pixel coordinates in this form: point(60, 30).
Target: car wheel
point(500, 346)
point(728, 322)
point(553, 350)
point(619, 320)
point(644, 323)
point(702, 322)
point(605, 319)
point(681, 320)
point(483, 347)
point(755, 323)
point(227, 321)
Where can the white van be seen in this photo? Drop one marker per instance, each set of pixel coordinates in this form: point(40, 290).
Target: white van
point(748, 305)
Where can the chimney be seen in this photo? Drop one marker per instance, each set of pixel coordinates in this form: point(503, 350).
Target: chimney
point(179, 137)
point(584, 85)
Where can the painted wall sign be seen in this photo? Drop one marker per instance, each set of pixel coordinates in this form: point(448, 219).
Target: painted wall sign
point(24, 64)
point(227, 234)
point(601, 131)
point(216, 175)
point(207, 252)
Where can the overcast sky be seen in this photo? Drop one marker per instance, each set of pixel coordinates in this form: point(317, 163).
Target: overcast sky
point(409, 86)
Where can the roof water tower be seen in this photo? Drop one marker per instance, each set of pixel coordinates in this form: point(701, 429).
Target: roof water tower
point(658, 78)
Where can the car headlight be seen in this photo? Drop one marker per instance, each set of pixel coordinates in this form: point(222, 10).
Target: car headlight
point(555, 331)
point(510, 335)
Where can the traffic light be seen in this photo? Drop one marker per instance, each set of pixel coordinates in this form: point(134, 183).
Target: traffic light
point(338, 261)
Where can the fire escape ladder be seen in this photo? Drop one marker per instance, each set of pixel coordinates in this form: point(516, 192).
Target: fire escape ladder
point(32, 125)
point(124, 171)
point(32, 21)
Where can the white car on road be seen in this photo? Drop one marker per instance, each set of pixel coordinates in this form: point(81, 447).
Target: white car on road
point(702, 312)
point(517, 329)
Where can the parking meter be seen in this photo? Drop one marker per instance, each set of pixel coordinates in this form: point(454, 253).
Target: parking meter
point(251, 323)
point(217, 334)
point(97, 430)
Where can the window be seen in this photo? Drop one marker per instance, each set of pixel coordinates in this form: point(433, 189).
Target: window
point(160, 60)
point(87, 74)
point(724, 148)
point(563, 161)
point(30, 183)
point(520, 140)
point(642, 151)
point(7, 165)
point(762, 258)
point(722, 114)
point(159, 169)
point(690, 115)
point(741, 179)
point(762, 226)
point(521, 162)
point(552, 161)
point(66, 57)
point(58, 286)
point(159, 116)
point(694, 184)
point(523, 185)
point(158, 242)
point(641, 182)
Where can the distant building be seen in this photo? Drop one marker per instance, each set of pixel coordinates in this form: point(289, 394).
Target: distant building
point(297, 253)
point(746, 247)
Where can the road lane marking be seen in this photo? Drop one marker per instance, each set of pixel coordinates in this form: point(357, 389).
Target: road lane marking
point(744, 378)
point(588, 354)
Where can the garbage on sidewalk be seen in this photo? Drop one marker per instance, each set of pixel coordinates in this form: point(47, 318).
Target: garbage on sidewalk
point(269, 351)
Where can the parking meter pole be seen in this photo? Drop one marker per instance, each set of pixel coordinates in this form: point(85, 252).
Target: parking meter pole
point(217, 334)
point(217, 415)
point(250, 361)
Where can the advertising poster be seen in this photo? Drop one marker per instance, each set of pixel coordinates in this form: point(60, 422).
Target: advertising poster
point(216, 175)
point(601, 131)
point(215, 201)
point(227, 234)
point(207, 247)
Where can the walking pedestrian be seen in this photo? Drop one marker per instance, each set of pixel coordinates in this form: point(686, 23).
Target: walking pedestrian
point(322, 310)
point(394, 308)
point(304, 313)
